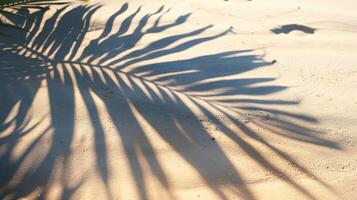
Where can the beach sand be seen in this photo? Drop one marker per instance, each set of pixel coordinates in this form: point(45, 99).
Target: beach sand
point(181, 99)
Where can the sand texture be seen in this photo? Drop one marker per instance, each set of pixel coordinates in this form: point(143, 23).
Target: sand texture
point(181, 100)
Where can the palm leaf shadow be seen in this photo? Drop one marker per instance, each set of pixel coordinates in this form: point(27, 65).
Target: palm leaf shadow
point(55, 51)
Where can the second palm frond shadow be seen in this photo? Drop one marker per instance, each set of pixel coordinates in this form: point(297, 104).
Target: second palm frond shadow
point(127, 79)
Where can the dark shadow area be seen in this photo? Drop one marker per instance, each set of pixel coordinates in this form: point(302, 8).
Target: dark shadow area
point(286, 29)
point(127, 78)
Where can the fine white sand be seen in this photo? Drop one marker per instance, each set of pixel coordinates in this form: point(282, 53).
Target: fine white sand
point(174, 99)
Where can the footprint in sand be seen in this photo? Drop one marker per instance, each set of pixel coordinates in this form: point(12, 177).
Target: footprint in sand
point(286, 29)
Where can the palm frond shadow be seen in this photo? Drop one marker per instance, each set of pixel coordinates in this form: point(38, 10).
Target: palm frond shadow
point(125, 78)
